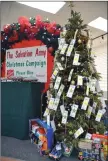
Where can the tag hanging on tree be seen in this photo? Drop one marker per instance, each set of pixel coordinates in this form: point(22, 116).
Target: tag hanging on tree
point(87, 90)
point(103, 102)
point(70, 48)
point(57, 82)
point(74, 110)
point(76, 59)
point(55, 104)
point(64, 118)
point(64, 49)
point(78, 132)
point(53, 125)
point(94, 107)
point(70, 75)
point(59, 66)
point(50, 105)
point(85, 103)
point(55, 73)
point(48, 119)
point(62, 108)
point(61, 43)
point(70, 91)
point(99, 115)
point(46, 112)
point(80, 80)
point(92, 85)
point(89, 111)
point(60, 90)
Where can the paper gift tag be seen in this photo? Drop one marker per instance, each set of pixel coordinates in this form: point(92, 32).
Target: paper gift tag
point(48, 119)
point(62, 108)
point(92, 85)
point(103, 111)
point(46, 112)
point(70, 91)
point(69, 51)
point(103, 102)
point(74, 110)
point(51, 102)
point(89, 111)
point(88, 136)
point(94, 107)
point(87, 90)
point(53, 125)
point(80, 80)
point(59, 66)
point(61, 43)
point(60, 90)
point(57, 82)
point(70, 75)
point(55, 104)
point(85, 103)
point(55, 73)
point(78, 132)
point(64, 118)
point(76, 59)
point(98, 89)
point(64, 49)
point(99, 115)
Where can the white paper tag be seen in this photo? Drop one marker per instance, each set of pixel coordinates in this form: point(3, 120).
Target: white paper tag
point(89, 111)
point(48, 119)
point(64, 49)
point(74, 110)
point(92, 85)
point(55, 104)
point(46, 112)
point(80, 80)
point(55, 73)
point(103, 102)
point(87, 90)
point(70, 75)
point(99, 115)
point(61, 42)
point(98, 89)
point(69, 51)
point(85, 103)
point(51, 102)
point(103, 111)
point(70, 91)
point(60, 90)
point(78, 132)
point(62, 108)
point(94, 107)
point(57, 82)
point(76, 59)
point(59, 66)
point(53, 125)
point(64, 118)
point(88, 136)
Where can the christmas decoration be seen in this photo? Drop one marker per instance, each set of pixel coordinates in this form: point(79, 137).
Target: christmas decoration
point(75, 86)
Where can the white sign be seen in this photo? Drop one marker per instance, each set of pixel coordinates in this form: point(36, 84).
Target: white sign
point(29, 63)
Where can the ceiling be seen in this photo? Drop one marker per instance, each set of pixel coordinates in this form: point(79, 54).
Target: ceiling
point(10, 11)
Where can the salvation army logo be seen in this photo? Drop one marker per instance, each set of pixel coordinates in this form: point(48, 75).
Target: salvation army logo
point(10, 73)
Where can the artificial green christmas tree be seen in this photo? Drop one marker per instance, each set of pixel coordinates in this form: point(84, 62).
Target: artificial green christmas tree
point(75, 105)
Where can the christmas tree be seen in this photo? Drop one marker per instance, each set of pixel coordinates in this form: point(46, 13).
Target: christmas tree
point(75, 103)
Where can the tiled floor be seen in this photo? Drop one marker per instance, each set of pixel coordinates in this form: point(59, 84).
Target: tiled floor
point(24, 151)
point(8, 159)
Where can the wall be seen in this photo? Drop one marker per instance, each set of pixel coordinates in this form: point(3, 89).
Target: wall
point(100, 51)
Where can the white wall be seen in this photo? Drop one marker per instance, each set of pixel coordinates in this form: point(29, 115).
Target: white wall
point(100, 51)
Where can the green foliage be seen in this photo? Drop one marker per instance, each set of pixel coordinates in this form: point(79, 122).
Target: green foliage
point(86, 69)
